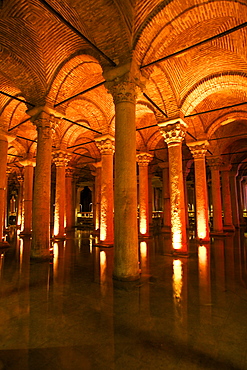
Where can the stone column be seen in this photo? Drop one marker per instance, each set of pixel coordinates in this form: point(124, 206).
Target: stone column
point(199, 150)
point(20, 203)
point(69, 199)
point(96, 215)
point(234, 201)
point(4, 140)
point(226, 198)
point(174, 133)
point(143, 159)
point(150, 200)
point(28, 195)
point(106, 145)
point(40, 247)
point(166, 197)
point(215, 163)
point(61, 159)
point(126, 258)
point(240, 199)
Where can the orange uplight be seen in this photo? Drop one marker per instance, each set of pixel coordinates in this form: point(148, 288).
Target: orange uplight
point(55, 258)
point(201, 227)
point(143, 249)
point(177, 280)
point(56, 224)
point(202, 255)
point(21, 252)
point(143, 226)
point(102, 257)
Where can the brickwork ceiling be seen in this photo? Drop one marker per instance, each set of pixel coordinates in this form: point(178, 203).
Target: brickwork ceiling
point(51, 50)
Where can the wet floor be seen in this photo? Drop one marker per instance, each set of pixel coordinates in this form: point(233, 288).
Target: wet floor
point(187, 313)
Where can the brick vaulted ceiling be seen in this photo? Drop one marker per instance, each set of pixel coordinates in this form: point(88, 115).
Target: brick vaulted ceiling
point(43, 59)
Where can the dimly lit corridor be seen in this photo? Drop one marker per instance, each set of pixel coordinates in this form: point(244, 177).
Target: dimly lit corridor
point(187, 313)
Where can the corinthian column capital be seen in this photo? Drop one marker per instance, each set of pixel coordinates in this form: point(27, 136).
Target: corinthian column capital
point(215, 162)
point(173, 131)
point(198, 148)
point(106, 144)
point(144, 159)
point(61, 158)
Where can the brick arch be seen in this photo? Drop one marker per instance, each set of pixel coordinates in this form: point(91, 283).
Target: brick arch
point(73, 133)
point(83, 69)
point(212, 85)
point(225, 119)
point(173, 27)
point(160, 89)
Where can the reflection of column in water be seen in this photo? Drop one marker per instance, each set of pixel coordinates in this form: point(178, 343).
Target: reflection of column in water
point(23, 304)
point(180, 296)
point(143, 258)
point(219, 259)
point(204, 282)
point(229, 259)
point(106, 307)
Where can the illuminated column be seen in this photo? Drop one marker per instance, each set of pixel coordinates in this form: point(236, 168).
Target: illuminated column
point(215, 164)
point(4, 140)
point(143, 160)
point(61, 159)
point(240, 199)
point(69, 199)
point(150, 200)
point(40, 248)
point(106, 145)
point(185, 174)
point(20, 202)
point(28, 194)
point(244, 189)
point(126, 265)
point(199, 150)
point(166, 197)
point(234, 201)
point(97, 198)
point(226, 198)
point(174, 133)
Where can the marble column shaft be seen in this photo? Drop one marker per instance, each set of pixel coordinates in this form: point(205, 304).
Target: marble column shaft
point(199, 150)
point(215, 164)
point(4, 140)
point(143, 160)
point(174, 132)
point(106, 146)
point(40, 247)
point(97, 166)
point(60, 159)
point(126, 265)
point(28, 196)
point(234, 199)
point(20, 202)
point(226, 197)
point(70, 199)
point(166, 196)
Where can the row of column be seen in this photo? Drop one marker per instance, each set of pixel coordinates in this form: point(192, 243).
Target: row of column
point(124, 207)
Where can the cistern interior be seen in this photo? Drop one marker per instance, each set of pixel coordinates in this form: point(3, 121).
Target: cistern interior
point(123, 184)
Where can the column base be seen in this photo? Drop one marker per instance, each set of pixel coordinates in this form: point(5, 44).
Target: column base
point(140, 236)
point(166, 229)
point(229, 228)
point(25, 233)
point(103, 245)
point(4, 244)
point(127, 278)
point(58, 237)
point(180, 254)
point(217, 233)
point(41, 257)
point(201, 241)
